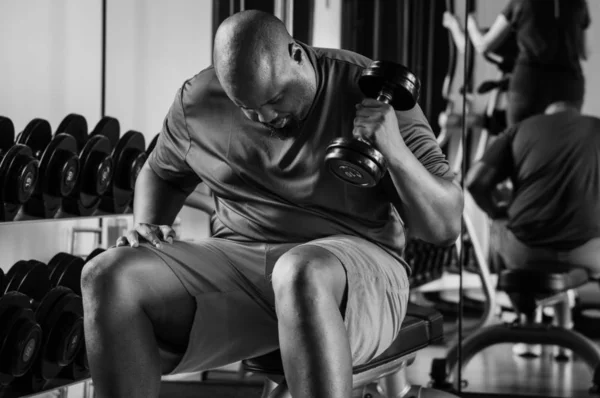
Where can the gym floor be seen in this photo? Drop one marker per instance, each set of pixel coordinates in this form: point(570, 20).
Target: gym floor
point(497, 370)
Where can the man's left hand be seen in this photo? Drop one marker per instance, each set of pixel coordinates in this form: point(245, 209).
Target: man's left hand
point(376, 122)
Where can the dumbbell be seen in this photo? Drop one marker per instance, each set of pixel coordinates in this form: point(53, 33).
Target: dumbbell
point(20, 335)
point(96, 164)
point(65, 270)
point(152, 145)
point(356, 161)
point(58, 311)
point(129, 155)
point(58, 167)
point(18, 172)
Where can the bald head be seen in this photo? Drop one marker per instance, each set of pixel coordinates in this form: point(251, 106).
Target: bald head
point(263, 71)
point(249, 46)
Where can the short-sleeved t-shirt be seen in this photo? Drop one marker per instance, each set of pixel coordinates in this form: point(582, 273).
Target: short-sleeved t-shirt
point(273, 190)
point(549, 32)
point(554, 164)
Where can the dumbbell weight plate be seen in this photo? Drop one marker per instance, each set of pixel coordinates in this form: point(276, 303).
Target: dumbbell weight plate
point(18, 175)
point(76, 126)
point(36, 135)
point(60, 314)
point(152, 145)
point(7, 134)
point(94, 253)
point(98, 166)
point(403, 84)
point(355, 162)
point(61, 163)
point(20, 336)
point(30, 278)
point(66, 271)
point(59, 166)
point(129, 156)
point(94, 179)
point(110, 128)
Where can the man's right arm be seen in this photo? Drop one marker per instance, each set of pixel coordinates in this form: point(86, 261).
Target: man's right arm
point(156, 201)
point(167, 178)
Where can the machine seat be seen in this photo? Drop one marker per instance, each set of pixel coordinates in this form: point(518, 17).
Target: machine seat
point(421, 327)
point(541, 283)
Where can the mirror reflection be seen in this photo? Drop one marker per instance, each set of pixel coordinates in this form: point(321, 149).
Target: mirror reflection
point(531, 195)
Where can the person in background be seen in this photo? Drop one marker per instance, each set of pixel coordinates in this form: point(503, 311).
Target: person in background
point(552, 41)
point(552, 222)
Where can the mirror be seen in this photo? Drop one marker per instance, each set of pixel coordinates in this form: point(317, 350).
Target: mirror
point(521, 66)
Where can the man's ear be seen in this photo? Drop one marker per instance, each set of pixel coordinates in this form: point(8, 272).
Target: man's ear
point(296, 52)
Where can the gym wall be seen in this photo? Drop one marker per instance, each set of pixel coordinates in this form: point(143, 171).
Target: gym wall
point(51, 66)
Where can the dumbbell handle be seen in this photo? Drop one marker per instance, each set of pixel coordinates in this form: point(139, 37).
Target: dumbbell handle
point(384, 96)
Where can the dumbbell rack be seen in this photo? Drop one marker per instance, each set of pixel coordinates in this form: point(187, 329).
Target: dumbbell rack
point(75, 177)
point(62, 387)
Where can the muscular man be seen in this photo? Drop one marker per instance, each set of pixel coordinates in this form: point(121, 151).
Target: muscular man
point(553, 161)
point(298, 259)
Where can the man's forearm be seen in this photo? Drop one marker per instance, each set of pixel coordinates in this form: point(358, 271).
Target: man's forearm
point(156, 201)
point(432, 206)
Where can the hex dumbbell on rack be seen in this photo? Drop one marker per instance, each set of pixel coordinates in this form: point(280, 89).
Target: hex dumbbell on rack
point(20, 335)
point(58, 168)
point(18, 172)
point(65, 270)
point(129, 155)
point(96, 165)
point(59, 312)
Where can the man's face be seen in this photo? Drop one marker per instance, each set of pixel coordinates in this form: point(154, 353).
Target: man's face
point(279, 97)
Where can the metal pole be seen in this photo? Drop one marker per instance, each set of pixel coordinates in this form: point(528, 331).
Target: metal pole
point(376, 27)
point(103, 63)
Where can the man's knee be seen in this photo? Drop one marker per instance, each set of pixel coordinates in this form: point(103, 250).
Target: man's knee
point(112, 274)
point(305, 271)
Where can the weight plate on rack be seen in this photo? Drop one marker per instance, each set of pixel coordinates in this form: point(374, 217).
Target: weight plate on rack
point(66, 271)
point(59, 166)
point(29, 278)
point(129, 156)
point(36, 135)
point(18, 175)
point(110, 128)
point(152, 145)
point(97, 166)
point(76, 126)
point(60, 314)
point(20, 336)
point(94, 253)
point(7, 134)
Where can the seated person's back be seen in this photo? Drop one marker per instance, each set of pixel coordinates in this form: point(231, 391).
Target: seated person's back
point(553, 163)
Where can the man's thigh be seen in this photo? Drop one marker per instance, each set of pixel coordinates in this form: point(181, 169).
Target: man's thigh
point(234, 317)
point(377, 292)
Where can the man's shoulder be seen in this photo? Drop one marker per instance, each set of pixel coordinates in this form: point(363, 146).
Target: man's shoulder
point(342, 58)
point(203, 88)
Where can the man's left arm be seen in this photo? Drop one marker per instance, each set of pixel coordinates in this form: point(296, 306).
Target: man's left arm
point(430, 202)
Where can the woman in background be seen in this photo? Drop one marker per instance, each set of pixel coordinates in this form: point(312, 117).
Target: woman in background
point(551, 36)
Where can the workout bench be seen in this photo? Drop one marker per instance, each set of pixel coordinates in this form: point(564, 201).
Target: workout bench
point(421, 327)
point(530, 291)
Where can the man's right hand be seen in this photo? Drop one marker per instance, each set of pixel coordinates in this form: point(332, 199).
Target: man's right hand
point(150, 232)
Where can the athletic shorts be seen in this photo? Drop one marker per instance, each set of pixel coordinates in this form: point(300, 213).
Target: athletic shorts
point(509, 252)
point(235, 314)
